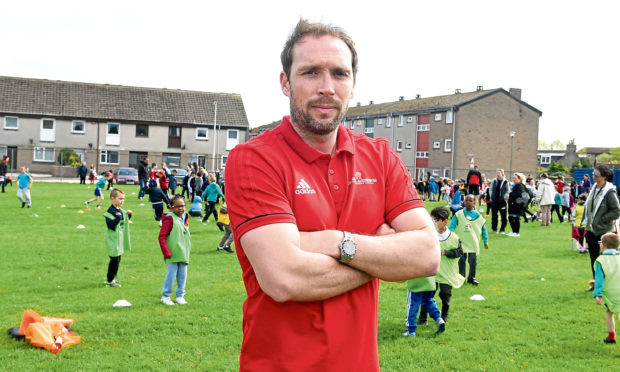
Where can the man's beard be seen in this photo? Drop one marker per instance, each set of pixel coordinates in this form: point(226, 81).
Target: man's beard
point(310, 125)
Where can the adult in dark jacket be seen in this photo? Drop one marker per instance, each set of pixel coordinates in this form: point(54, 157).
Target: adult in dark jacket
point(143, 176)
point(473, 182)
point(82, 171)
point(499, 194)
point(4, 168)
point(601, 211)
point(517, 202)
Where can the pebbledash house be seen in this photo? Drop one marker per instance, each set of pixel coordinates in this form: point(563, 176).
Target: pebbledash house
point(114, 126)
point(445, 135)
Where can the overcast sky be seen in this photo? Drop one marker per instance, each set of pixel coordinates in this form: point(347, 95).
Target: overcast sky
point(562, 54)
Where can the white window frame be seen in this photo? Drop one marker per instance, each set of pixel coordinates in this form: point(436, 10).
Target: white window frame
point(408, 146)
point(230, 144)
point(380, 121)
point(409, 119)
point(401, 121)
point(46, 134)
point(111, 138)
point(388, 123)
point(81, 153)
point(352, 124)
point(202, 138)
point(446, 172)
point(435, 172)
point(399, 146)
point(44, 150)
point(545, 159)
point(223, 161)
point(423, 127)
point(421, 154)
point(78, 131)
point(359, 123)
point(168, 159)
point(438, 116)
point(436, 144)
point(16, 122)
point(104, 156)
point(447, 145)
point(369, 130)
point(449, 117)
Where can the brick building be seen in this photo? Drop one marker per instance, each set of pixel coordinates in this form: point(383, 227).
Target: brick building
point(115, 126)
point(442, 134)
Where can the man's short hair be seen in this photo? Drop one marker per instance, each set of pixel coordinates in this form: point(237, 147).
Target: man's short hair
point(116, 192)
point(544, 175)
point(440, 213)
point(305, 28)
point(611, 240)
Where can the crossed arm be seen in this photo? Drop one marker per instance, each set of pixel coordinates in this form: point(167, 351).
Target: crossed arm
point(303, 266)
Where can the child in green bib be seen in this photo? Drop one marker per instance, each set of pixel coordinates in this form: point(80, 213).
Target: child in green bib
point(448, 276)
point(469, 226)
point(607, 282)
point(117, 234)
point(175, 244)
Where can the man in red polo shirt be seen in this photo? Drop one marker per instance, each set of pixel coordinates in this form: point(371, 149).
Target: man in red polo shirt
point(319, 214)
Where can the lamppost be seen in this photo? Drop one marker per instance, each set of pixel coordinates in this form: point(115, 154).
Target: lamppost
point(214, 135)
point(512, 138)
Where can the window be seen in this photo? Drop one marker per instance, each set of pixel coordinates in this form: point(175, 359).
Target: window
point(224, 158)
point(399, 146)
point(424, 127)
point(108, 157)
point(400, 120)
point(446, 172)
point(436, 145)
point(202, 133)
point(142, 130)
point(379, 121)
point(545, 159)
point(447, 145)
point(45, 154)
point(78, 126)
point(174, 136)
point(449, 117)
point(438, 117)
point(232, 138)
point(135, 158)
point(408, 146)
point(421, 154)
point(48, 130)
point(201, 160)
point(11, 122)
point(81, 153)
point(369, 130)
point(113, 135)
point(352, 124)
point(410, 119)
point(359, 123)
point(172, 160)
point(388, 123)
point(435, 172)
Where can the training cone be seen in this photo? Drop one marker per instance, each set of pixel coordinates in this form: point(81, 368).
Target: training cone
point(62, 206)
point(80, 211)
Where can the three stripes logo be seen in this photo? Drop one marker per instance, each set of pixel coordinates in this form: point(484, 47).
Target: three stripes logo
point(304, 188)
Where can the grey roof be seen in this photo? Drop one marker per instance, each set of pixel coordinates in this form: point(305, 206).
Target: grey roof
point(423, 105)
point(103, 102)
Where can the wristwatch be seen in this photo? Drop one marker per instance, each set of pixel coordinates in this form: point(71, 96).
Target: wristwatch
point(348, 248)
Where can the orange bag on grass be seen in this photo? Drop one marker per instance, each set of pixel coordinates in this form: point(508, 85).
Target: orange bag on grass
point(48, 333)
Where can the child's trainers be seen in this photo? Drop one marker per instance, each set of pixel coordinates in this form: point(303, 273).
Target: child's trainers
point(440, 326)
point(608, 340)
point(167, 301)
point(181, 301)
point(113, 283)
point(410, 334)
point(228, 249)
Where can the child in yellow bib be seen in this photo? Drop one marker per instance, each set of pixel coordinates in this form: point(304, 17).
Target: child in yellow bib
point(607, 282)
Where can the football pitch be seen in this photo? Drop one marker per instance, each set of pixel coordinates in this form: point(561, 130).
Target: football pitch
point(536, 314)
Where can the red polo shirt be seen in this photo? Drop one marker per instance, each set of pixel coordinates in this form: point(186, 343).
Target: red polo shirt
point(277, 178)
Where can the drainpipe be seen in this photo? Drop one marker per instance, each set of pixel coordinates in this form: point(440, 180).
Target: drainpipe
point(453, 144)
point(415, 148)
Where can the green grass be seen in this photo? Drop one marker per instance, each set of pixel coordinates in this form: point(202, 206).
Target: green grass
point(58, 270)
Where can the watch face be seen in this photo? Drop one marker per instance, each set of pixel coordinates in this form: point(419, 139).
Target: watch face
point(349, 248)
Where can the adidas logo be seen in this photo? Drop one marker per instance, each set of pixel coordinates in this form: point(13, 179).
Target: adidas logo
point(304, 188)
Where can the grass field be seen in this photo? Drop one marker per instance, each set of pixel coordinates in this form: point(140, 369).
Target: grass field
point(49, 265)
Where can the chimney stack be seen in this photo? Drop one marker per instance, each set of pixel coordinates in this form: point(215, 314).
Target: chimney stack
point(358, 104)
point(457, 91)
point(401, 98)
point(516, 93)
point(371, 102)
point(479, 87)
point(417, 96)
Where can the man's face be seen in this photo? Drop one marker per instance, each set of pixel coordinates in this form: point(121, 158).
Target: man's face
point(500, 175)
point(320, 84)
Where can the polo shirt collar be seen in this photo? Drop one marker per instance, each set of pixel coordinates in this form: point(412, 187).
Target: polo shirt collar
point(344, 142)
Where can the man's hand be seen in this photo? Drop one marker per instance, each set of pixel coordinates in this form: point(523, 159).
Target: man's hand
point(599, 300)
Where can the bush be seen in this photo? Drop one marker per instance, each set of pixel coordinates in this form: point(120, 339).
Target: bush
point(69, 157)
point(556, 168)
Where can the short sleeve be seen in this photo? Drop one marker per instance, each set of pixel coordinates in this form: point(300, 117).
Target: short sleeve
point(400, 196)
point(255, 193)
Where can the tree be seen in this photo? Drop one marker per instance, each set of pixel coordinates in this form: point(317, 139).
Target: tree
point(613, 156)
point(554, 145)
point(69, 157)
point(581, 163)
point(557, 167)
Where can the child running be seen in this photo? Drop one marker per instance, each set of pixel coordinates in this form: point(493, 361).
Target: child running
point(175, 244)
point(223, 222)
point(448, 276)
point(607, 282)
point(117, 234)
point(99, 186)
point(157, 197)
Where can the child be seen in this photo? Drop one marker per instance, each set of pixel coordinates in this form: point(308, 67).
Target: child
point(172, 184)
point(420, 292)
point(607, 282)
point(157, 197)
point(557, 199)
point(469, 226)
point(24, 183)
point(92, 173)
point(223, 222)
point(577, 217)
point(116, 234)
point(195, 210)
point(565, 199)
point(100, 185)
point(175, 244)
point(448, 275)
point(445, 191)
point(456, 206)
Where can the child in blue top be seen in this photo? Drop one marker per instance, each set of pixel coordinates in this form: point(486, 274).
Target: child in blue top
point(100, 185)
point(195, 210)
point(557, 203)
point(23, 187)
point(607, 282)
